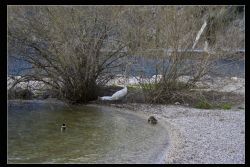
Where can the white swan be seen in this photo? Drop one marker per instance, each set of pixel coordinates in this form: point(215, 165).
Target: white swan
point(117, 95)
point(105, 98)
point(120, 94)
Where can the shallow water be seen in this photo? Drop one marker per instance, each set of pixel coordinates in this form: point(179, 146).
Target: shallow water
point(93, 135)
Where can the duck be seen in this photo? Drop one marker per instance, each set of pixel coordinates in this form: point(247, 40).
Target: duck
point(152, 120)
point(63, 127)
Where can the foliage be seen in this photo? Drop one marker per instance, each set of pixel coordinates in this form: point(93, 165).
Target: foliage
point(203, 105)
point(226, 106)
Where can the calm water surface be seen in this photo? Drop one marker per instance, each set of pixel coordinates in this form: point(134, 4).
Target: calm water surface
point(93, 135)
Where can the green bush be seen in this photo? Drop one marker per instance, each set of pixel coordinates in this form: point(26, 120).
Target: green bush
point(226, 106)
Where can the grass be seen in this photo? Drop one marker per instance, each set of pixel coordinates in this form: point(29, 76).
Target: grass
point(134, 87)
point(206, 105)
point(180, 92)
point(203, 105)
point(226, 106)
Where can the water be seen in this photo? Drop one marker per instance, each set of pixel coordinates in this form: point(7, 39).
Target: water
point(221, 66)
point(93, 135)
point(148, 66)
point(230, 67)
point(17, 66)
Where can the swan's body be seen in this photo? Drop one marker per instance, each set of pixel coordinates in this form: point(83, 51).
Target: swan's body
point(117, 95)
point(106, 98)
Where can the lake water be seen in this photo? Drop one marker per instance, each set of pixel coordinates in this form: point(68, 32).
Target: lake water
point(224, 67)
point(93, 135)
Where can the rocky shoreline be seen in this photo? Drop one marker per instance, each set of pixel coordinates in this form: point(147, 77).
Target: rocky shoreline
point(198, 136)
point(207, 83)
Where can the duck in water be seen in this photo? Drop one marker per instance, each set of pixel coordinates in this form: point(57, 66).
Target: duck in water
point(152, 120)
point(63, 128)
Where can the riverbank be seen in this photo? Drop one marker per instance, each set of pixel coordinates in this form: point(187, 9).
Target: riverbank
point(198, 136)
point(195, 135)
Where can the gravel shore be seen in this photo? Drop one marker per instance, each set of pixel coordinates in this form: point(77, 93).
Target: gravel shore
point(198, 136)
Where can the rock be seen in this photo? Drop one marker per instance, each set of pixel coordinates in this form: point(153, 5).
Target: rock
point(152, 120)
point(156, 78)
point(234, 78)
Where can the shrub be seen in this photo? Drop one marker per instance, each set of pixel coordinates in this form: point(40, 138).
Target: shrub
point(203, 105)
point(20, 94)
point(226, 106)
point(68, 48)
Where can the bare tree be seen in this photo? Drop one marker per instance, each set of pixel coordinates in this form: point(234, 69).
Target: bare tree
point(175, 31)
point(80, 48)
point(72, 46)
